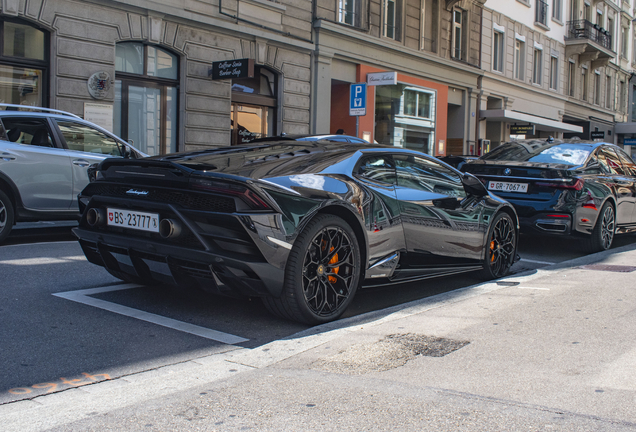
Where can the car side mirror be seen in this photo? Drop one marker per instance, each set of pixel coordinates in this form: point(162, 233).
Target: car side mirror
point(450, 203)
point(473, 186)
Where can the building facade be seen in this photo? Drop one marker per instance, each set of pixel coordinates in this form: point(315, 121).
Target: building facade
point(148, 67)
point(443, 76)
point(557, 68)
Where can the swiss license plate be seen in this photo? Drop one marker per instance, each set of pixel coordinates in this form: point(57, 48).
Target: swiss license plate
point(133, 219)
point(507, 187)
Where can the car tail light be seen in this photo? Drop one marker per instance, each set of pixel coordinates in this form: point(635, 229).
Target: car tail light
point(577, 185)
point(590, 204)
point(247, 195)
point(558, 216)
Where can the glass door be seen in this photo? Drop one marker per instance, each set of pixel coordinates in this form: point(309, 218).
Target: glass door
point(145, 115)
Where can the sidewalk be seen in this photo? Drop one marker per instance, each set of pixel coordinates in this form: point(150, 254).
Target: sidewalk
point(551, 350)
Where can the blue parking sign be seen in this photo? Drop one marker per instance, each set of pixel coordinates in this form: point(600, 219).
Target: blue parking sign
point(358, 99)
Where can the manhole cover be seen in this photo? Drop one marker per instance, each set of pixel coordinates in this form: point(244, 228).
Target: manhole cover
point(609, 268)
point(391, 352)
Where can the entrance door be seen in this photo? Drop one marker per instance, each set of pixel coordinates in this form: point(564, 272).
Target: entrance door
point(147, 115)
point(248, 123)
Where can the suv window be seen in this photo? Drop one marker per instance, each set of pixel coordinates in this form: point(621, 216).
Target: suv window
point(28, 131)
point(81, 137)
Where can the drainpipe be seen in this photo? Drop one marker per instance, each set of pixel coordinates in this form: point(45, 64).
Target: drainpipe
point(477, 111)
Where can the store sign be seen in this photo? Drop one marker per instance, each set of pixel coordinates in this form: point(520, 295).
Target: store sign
point(100, 114)
point(382, 78)
point(597, 134)
point(629, 141)
point(521, 129)
point(228, 69)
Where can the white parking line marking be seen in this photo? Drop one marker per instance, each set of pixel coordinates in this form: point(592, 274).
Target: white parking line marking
point(83, 296)
point(43, 260)
point(537, 262)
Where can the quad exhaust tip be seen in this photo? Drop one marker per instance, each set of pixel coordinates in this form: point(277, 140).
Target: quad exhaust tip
point(169, 228)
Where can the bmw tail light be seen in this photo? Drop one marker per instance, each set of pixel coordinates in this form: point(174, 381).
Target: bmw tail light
point(576, 185)
point(590, 204)
point(248, 196)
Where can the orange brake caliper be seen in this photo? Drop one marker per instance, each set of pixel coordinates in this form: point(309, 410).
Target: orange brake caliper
point(492, 251)
point(334, 259)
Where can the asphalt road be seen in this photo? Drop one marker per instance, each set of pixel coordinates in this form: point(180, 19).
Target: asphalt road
point(65, 322)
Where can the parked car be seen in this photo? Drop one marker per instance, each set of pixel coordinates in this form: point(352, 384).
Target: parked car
point(333, 138)
point(44, 156)
point(300, 224)
point(564, 187)
point(457, 161)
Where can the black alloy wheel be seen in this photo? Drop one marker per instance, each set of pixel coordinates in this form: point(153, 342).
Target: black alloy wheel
point(603, 233)
point(322, 273)
point(501, 247)
point(6, 216)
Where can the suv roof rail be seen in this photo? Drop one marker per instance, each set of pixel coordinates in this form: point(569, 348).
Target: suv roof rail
point(35, 108)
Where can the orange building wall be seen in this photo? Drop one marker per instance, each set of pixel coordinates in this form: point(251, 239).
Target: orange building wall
point(340, 118)
point(367, 122)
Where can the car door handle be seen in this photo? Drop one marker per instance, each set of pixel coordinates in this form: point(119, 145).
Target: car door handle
point(81, 163)
point(7, 157)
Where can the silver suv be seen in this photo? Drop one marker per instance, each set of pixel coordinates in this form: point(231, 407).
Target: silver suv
point(44, 157)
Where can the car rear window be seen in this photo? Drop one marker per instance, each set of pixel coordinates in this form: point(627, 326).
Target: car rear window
point(562, 153)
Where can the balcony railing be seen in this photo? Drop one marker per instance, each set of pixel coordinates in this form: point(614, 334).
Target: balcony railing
point(541, 15)
point(583, 29)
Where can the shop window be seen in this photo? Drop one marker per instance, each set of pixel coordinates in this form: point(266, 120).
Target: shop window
point(23, 64)
point(146, 101)
point(254, 105)
point(405, 117)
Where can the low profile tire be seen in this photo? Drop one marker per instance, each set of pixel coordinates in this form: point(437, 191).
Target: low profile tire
point(6, 216)
point(501, 247)
point(322, 273)
point(603, 233)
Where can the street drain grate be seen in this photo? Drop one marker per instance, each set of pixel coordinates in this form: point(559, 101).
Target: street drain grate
point(391, 352)
point(609, 268)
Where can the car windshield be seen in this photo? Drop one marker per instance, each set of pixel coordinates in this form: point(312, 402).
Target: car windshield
point(559, 153)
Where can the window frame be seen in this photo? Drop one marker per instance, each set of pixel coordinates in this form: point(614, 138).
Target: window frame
point(499, 50)
point(557, 10)
point(537, 66)
point(554, 73)
point(341, 13)
point(457, 34)
point(519, 60)
point(150, 81)
point(29, 63)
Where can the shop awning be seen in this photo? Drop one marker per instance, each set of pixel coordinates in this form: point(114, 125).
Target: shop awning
point(625, 128)
point(540, 123)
